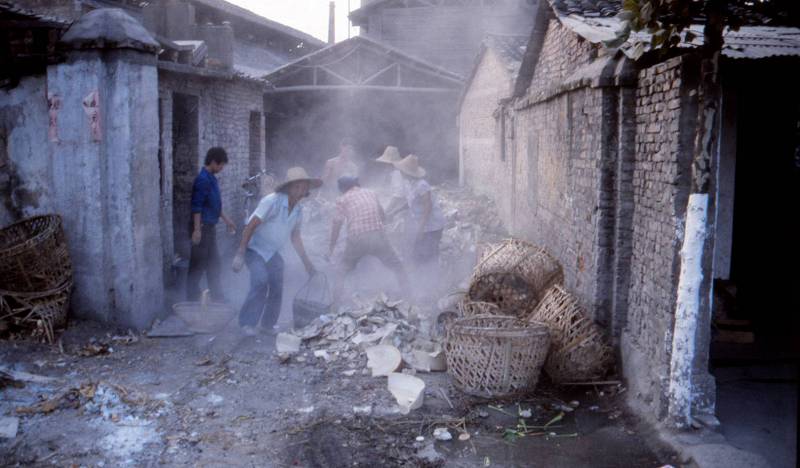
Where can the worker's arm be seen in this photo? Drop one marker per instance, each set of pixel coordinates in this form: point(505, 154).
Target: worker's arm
point(200, 190)
point(427, 208)
point(336, 227)
point(228, 222)
point(297, 242)
point(238, 260)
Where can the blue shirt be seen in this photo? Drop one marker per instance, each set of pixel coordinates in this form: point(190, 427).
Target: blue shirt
point(206, 198)
point(277, 224)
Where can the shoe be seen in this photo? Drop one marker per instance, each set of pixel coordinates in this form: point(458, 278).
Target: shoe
point(247, 330)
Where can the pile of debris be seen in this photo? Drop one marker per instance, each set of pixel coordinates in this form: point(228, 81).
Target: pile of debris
point(388, 334)
point(472, 220)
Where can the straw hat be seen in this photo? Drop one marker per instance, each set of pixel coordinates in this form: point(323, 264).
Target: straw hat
point(410, 167)
point(298, 174)
point(390, 155)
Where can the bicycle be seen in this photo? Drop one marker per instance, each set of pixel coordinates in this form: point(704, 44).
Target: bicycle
point(256, 187)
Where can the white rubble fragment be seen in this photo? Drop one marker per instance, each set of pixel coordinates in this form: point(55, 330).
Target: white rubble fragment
point(526, 413)
point(287, 343)
point(306, 410)
point(383, 359)
point(321, 353)
point(8, 427)
point(365, 410)
point(349, 373)
point(441, 433)
point(420, 439)
point(409, 391)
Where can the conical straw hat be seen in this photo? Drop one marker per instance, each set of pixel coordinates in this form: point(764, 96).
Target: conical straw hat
point(410, 167)
point(295, 174)
point(390, 155)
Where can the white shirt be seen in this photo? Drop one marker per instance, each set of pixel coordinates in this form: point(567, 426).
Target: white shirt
point(277, 224)
point(414, 192)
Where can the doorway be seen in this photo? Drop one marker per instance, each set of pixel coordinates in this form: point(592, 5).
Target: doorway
point(756, 333)
point(185, 164)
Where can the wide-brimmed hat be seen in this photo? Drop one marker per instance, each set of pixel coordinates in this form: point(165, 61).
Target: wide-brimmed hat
point(410, 167)
point(298, 174)
point(390, 155)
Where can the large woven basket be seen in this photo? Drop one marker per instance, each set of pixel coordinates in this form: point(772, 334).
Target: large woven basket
point(45, 310)
point(495, 356)
point(472, 308)
point(578, 352)
point(514, 275)
point(34, 256)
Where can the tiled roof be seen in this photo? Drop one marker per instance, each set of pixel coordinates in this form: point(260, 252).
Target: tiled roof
point(587, 8)
point(510, 49)
point(248, 15)
point(10, 9)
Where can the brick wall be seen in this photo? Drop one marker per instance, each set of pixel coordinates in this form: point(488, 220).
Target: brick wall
point(224, 116)
point(481, 164)
point(664, 116)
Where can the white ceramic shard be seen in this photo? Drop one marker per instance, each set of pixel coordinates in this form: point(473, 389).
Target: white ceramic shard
point(383, 359)
point(409, 391)
point(287, 343)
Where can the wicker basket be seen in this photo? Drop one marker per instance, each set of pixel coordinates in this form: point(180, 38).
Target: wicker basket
point(472, 308)
point(495, 356)
point(204, 316)
point(34, 256)
point(514, 275)
point(579, 352)
point(45, 311)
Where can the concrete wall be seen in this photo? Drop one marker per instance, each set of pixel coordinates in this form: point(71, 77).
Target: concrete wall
point(224, 112)
point(25, 176)
point(107, 189)
point(482, 163)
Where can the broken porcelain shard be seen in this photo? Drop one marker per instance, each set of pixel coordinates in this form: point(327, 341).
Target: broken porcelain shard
point(408, 390)
point(287, 343)
point(383, 359)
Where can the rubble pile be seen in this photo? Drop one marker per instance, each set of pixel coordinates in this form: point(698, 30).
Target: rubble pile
point(472, 220)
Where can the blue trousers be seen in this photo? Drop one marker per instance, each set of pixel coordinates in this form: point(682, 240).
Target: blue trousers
point(266, 291)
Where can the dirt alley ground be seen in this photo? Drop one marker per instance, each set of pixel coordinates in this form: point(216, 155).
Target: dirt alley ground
point(118, 399)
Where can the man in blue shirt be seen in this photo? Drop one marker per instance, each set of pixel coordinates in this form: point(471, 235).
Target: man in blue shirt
point(276, 220)
point(206, 213)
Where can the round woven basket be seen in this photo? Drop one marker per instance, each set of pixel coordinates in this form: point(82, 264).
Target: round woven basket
point(204, 316)
point(34, 255)
point(495, 356)
point(514, 275)
point(472, 308)
point(579, 352)
point(44, 310)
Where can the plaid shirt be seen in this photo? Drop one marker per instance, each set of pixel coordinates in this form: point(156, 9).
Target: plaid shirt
point(362, 211)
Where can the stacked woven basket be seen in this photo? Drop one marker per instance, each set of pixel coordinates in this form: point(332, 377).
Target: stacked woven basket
point(35, 275)
point(517, 318)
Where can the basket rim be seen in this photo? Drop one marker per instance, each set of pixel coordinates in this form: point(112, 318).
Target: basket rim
point(523, 328)
point(21, 246)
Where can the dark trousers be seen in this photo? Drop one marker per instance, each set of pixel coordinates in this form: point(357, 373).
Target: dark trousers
point(266, 290)
point(426, 247)
point(205, 259)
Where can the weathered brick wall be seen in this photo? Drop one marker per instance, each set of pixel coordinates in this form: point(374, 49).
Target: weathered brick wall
point(223, 120)
point(559, 141)
point(664, 113)
point(483, 168)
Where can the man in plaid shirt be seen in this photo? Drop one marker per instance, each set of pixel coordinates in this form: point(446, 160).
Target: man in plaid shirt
point(361, 210)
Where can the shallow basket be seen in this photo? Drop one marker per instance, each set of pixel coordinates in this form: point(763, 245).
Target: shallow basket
point(579, 352)
point(495, 356)
point(34, 255)
point(44, 310)
point(514, 275)
point(204, 317)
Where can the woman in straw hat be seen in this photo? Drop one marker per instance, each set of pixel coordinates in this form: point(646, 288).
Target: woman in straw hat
point(276, 220)
point(426, 221)
point(394, 179)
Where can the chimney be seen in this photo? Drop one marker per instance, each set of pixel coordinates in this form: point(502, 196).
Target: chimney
point(331, 22)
